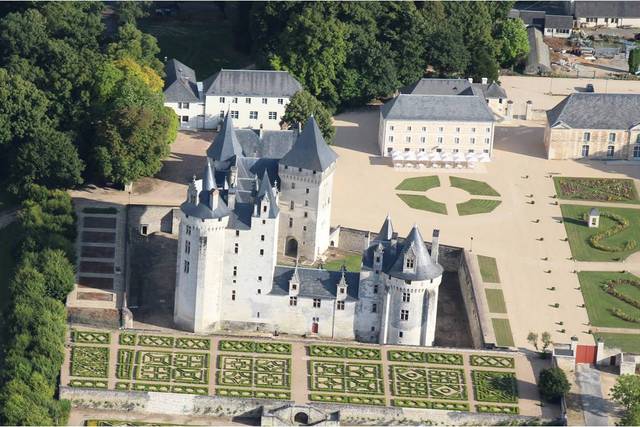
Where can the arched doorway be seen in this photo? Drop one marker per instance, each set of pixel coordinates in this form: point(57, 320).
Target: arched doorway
point(301, 418)
point(291, 248)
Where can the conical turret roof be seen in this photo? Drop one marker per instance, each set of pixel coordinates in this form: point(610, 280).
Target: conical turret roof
point(386, 232)
point(424, 267)
point(225, 145)
point(310, 150)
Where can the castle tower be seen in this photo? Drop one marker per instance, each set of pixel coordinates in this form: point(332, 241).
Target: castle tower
point(203, 220)
point(411, 295)
point(306, 174)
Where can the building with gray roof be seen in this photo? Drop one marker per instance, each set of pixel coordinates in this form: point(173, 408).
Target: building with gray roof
point(256, 99)
point(606, 13)
point(594, 125)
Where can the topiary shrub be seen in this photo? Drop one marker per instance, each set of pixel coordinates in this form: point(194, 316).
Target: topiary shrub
point(553, 384)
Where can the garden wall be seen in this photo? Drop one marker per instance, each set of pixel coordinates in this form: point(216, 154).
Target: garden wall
point(183, 404)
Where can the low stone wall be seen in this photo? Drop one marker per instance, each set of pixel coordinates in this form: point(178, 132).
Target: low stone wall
point(99, 317)
point(184, 404)
point(352, 240)
point(474, 302)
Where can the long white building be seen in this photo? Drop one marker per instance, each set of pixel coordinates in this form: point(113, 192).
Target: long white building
point(255, 99)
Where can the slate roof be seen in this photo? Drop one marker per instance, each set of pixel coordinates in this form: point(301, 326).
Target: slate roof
point(533, 17)
point(265, 190)
point(439, 87)
point(607, 9)
point(386, 231)
point(563, 22)
point(492, 90)
point(310, 151)
point(437, 108)
point(252, 83)
point(393, 258)
point(204, 208)
point(225, 145)
point(315, 283)
point(180, 83)
point(596, 111)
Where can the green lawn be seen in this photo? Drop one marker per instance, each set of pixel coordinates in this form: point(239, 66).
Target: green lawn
point(578, 233)
point(420, 183)
point(423, 203)
point(629, 343)
point(477, 206)
point(502, 330)
point(599, 303)
point(495, 299)
point(204, 43)
point(488, 269)
point(473, 187)
point(351, 261)
point(596, 189)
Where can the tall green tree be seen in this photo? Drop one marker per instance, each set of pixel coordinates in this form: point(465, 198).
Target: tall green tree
point(303, 105)
point(132, 43)
point(626, 392)
point(634, 60)
point(553, 384)
point(513, 41)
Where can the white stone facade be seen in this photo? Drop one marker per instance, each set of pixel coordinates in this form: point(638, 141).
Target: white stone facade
point(247, 111)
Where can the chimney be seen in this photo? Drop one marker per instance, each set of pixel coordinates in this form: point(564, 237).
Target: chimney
point(231, 199)
point(260, 133)
point(214, 197)
point(470, 79)
point(484, 80)
point(435, 245)
point(299, 127)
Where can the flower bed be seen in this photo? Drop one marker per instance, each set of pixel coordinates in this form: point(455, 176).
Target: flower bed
point(495, 409)
point(419, 356)
point(123, 386)
point(426, 404)
point(345, 377)
point(90, 362)
point(127, 339)
point(596, 189)
point(344, 352)
point(493, 386)
point(248, 371)
point(492, 361)
point(344, 399)
point(90, 337)
point(257, 394)
point(82, 383)
point(433, 383)
point(155, 341)
point(193, 343)
point(124, 366)
point(622, 224)
point(237, 346)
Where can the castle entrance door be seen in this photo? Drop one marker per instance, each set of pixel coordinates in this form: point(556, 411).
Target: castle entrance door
point(314, 327)
point(291, 248)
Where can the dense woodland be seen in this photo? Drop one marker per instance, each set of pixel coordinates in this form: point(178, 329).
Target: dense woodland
point(81, 101)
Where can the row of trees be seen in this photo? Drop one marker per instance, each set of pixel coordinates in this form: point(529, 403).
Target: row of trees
point(347, 53)
point(36, 317)
point(77, 102)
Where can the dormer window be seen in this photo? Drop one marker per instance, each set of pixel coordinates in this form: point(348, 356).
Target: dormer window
point(264, 208)
point(377, 259)
point(294, 287)
point(409, 263)
point(342, 290)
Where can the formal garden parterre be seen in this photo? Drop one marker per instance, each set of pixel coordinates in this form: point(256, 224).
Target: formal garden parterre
point(596, 189)
point(612, 299)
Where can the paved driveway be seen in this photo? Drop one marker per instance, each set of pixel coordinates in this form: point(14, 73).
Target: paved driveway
point(595, 408)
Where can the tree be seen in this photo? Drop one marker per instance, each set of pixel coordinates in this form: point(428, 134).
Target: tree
point(447, 53)
point(533, 339)
point(513, 41)
point(129, 11)
point(546, 341)
point(634, 60)
point(303, 105)
point(132, 43)
point(58, 272)
point(553, 384)
point(626, 392)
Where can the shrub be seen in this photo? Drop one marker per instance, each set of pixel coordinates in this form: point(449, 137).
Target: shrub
point(622, 224)
point(553, 384)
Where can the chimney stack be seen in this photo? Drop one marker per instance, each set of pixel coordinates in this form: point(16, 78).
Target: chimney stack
point(484, 80)
point(435, 245)
point(470, 79)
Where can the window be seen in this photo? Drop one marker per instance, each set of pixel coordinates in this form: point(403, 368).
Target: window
point(203, 243)
point(306, 214)
point(610, 151)
point(406, 297)
point(221, 114)
point(291, 206)
point(261, 252)
point(222, 100)
point(186, 267)
point(235, 248)
point(473, 130)
point(636, 151)
point(340, 305)
point(612, 137)
point(342, 290)
point(409, 263)
point(237, 233)
point(392, 127)
point(440, 140)
point(400, 334)
point(404, 315)
point(183, 105)
point(234, 114)
point(375, 289)
point(374, 308)
point(233, 295)
point(585, 151)
point(262, 237)
point(638, 139)
point(247, 100)
point(273, 115)
point(293, 184)
point(586, 137)
point(290, 222)
point(306, 190)
point(472, 140)
point(407, 139)
point(280, 101)
point(486, 150)
point(253, 115)
point(235, 270)
point(457, 130)
point(234, 100)
point(471, 150)
point(187, 247)
point(487, 140)
point(456, 140)
point(373, 329)
point(316, 303)
point(440, 129)
point(408, 128)
point(293, 301)
point(304, 228)
point(294, 287)
point(188, 230)
point(259, 291)
point(306, 203)
point(424, 129)
point(423, 139)
point(406, 150)
point(390, 138)
point(455, 150)
point(488, 130)
point(185, 119)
